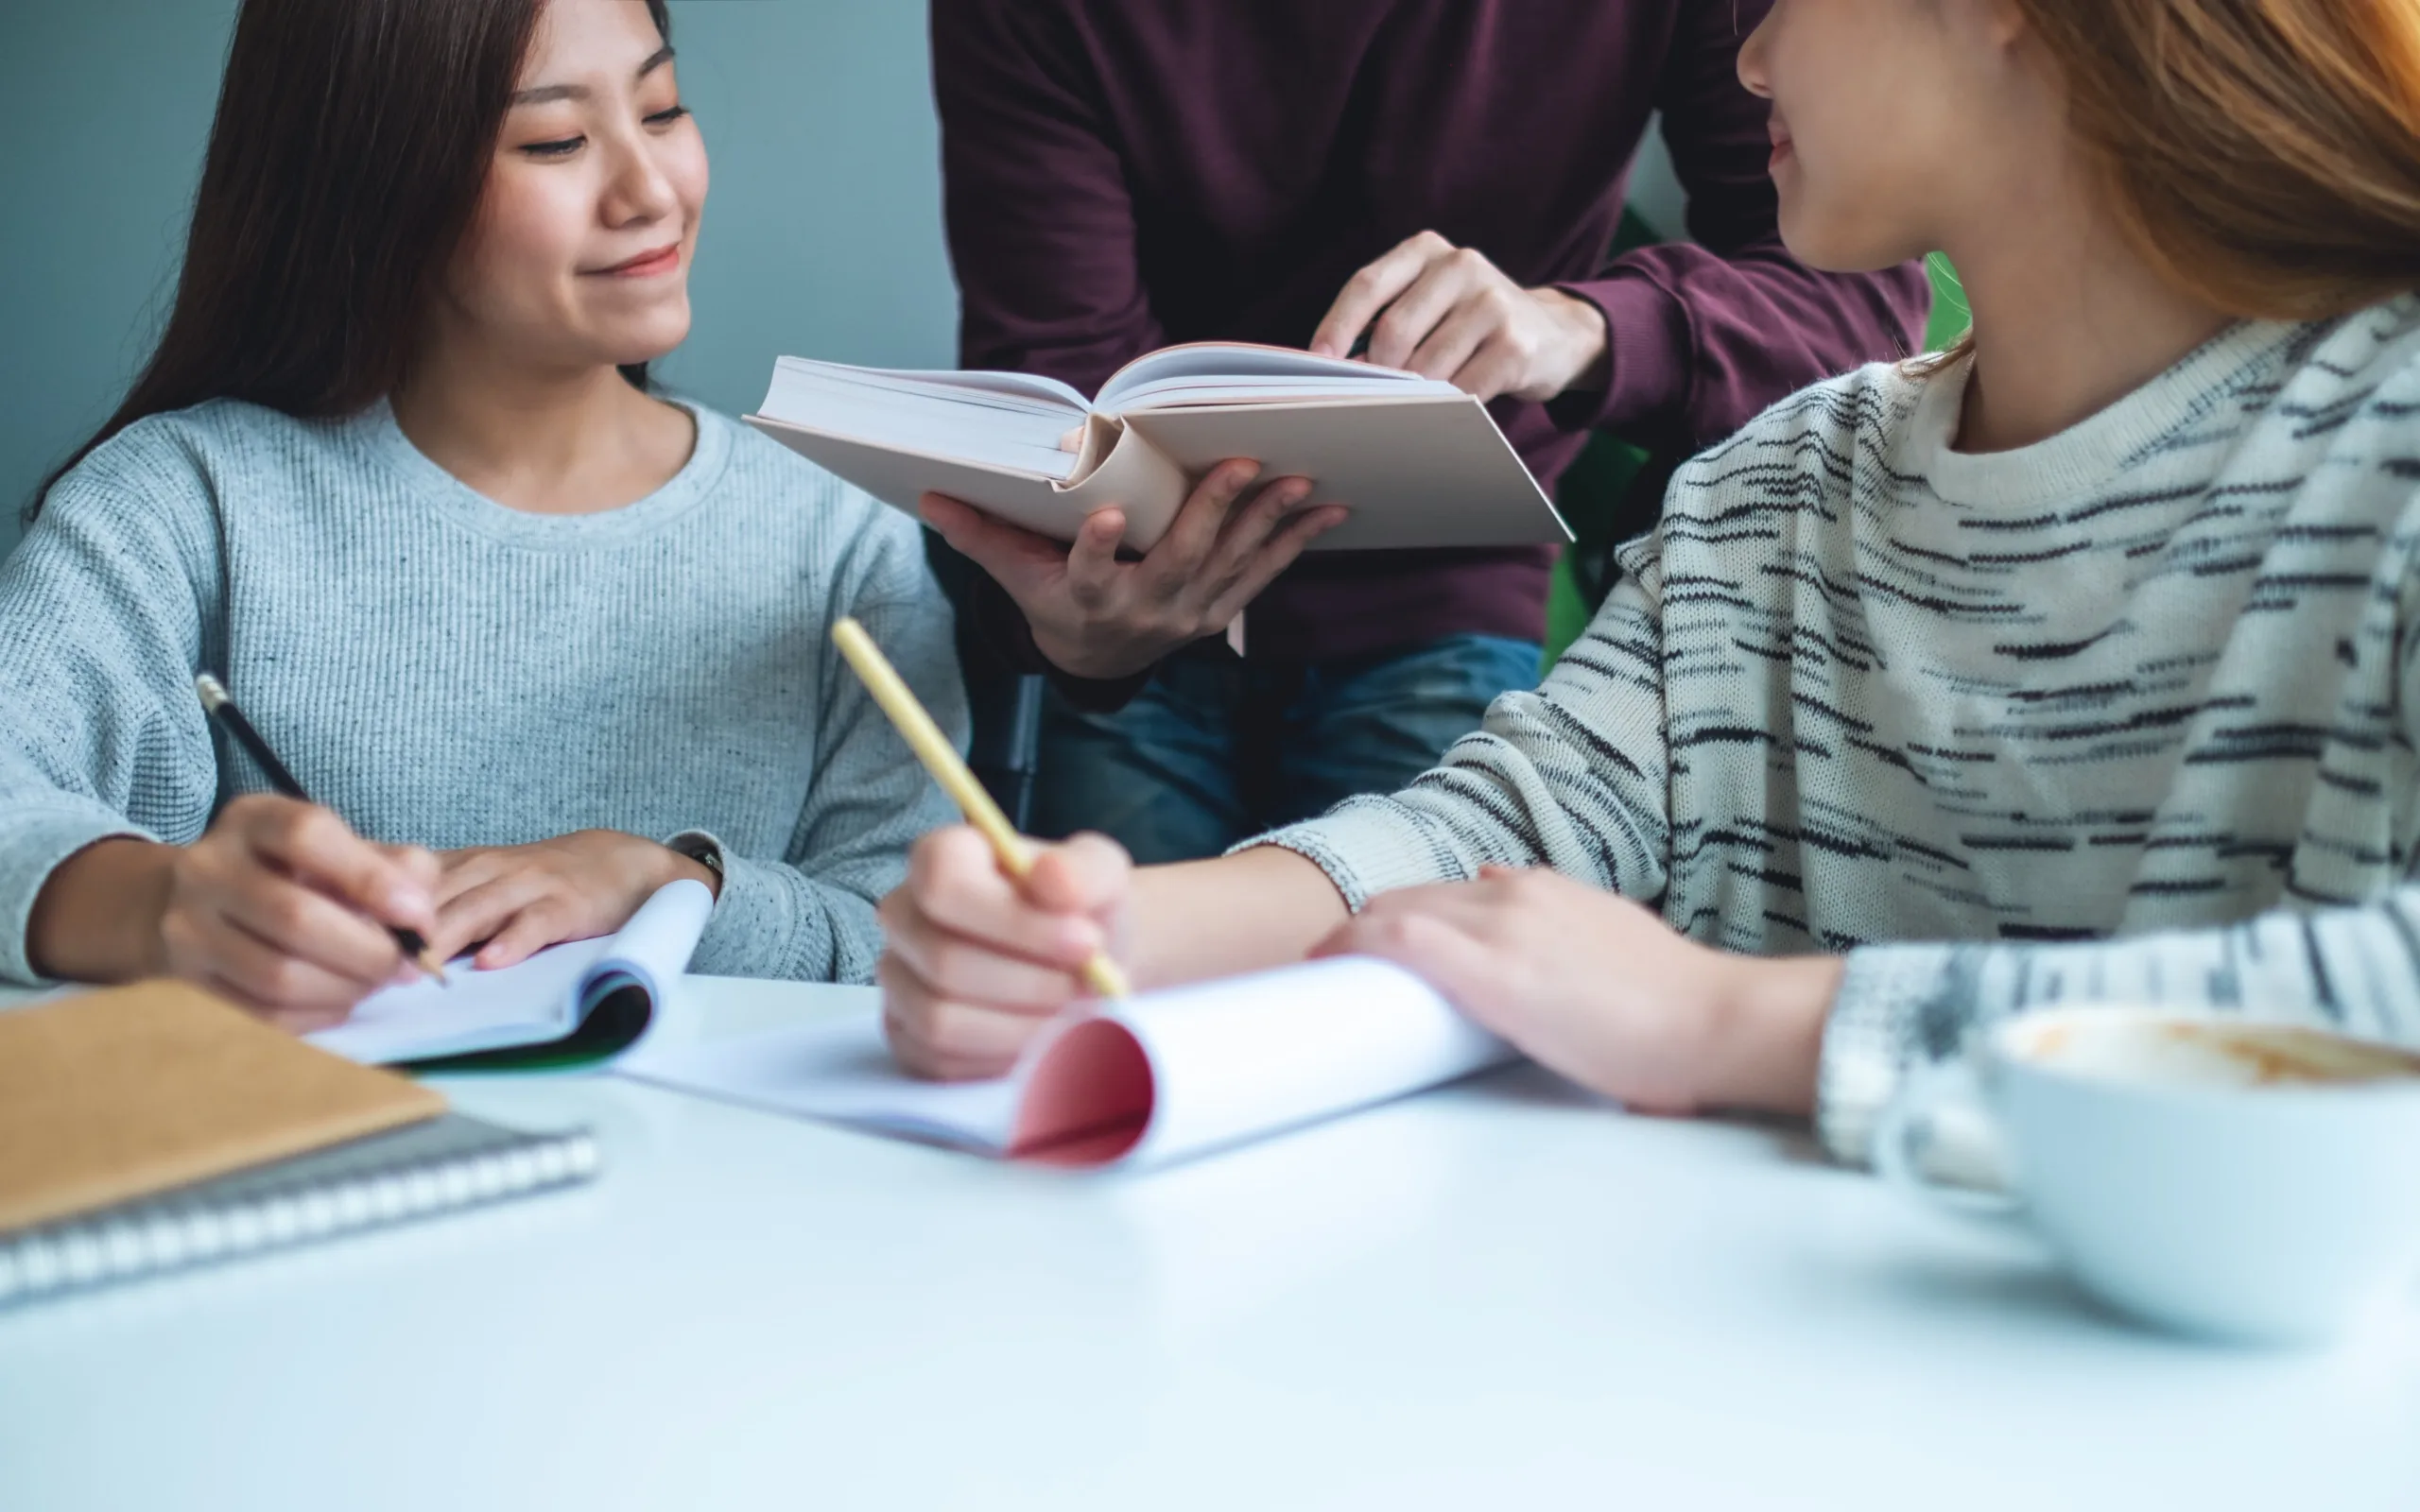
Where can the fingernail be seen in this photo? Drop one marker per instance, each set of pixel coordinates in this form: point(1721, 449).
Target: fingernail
point(408, 900)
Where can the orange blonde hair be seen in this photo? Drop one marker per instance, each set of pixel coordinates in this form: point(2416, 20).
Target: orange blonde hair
point(2264, 155)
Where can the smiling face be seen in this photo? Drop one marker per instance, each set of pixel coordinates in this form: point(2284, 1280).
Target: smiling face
point(579, 255)
point(1887, 115)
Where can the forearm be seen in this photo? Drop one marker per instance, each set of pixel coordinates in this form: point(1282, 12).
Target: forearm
point(1701, 342)
point(1764, 1045)
point(1246, 912)
point(97, 919)
point(2353, 970)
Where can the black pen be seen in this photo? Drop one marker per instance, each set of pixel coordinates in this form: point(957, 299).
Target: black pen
point(215, 702)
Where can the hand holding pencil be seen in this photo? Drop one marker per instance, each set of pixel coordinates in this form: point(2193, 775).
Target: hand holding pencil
point(933, 748)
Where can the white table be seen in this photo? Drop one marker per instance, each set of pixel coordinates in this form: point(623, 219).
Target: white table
point(1503, 1295)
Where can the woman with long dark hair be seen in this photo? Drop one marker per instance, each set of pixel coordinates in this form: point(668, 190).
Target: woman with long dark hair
point(545, 640)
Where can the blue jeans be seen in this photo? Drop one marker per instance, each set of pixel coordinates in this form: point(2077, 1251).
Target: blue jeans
point(1216, 749)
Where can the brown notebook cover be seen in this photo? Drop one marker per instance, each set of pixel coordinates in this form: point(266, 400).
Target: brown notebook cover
point(125, 1094)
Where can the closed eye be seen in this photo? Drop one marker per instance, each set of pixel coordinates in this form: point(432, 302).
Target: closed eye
point(563, 149)
point(667, 116)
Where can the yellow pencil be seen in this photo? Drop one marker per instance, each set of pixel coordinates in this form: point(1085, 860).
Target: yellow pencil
point(941, 758)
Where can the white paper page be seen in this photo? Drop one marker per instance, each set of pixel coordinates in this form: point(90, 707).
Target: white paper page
point(1248, 1056)
point(524, 1005)
point(1016, 395)
point(1240, 360)
point(1031, 387)
point(1008, 427)
point(1231, 1060)
point(653, 949)
point(839, 1071)
point(1183, 392)
point(543, 999)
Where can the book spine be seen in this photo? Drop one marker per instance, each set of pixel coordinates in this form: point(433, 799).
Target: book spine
point(93, 1252)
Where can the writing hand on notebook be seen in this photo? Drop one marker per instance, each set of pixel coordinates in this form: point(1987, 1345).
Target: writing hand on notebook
point(1443, 311)
point(278, 907)
point(1595, 987)
point(1095, 616)
point(975, 964)
point(521, 898)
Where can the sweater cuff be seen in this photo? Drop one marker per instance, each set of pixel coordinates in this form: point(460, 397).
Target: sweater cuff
point(37, 844)
point(1000, 624)
point(1368, 846)
point(1647, 344)
point(1869, 1040)
point(750, 919)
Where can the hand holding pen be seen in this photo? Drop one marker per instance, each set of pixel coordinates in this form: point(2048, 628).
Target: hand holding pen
point(279, 906)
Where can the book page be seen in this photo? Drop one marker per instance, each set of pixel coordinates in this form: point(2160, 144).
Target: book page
point(528, 1003)
point(653, 949)
point(1004, 419)
point(1173, 393)
point(1227, 372)
point(541, 1000)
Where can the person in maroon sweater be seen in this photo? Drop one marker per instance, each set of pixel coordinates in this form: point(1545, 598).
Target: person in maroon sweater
point(1443, 177)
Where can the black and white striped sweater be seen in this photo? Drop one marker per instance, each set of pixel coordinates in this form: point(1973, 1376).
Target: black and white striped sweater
point(2127, 714)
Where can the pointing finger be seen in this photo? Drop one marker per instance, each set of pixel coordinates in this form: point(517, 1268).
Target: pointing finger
point(1373, 289)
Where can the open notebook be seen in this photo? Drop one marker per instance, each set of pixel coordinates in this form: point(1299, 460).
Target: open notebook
point(1419, 461)
point(584, 1001)
point(1157, 1078)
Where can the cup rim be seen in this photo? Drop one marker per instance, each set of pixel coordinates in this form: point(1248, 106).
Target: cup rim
point(2289, 1095)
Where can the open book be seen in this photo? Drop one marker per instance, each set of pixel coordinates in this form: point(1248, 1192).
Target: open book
point(1157, 1078)
point(1419, 462)
point(583, 1001)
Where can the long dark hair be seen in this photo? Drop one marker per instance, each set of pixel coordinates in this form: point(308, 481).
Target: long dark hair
point(350, 149)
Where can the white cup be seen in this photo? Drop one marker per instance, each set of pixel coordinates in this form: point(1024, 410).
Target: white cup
point(2233, 1180)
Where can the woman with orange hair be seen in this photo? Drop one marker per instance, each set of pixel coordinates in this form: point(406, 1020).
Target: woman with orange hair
point(2081, 661)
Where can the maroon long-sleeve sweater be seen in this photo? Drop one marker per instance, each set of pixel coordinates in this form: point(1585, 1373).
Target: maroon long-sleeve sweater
point(1124, 174)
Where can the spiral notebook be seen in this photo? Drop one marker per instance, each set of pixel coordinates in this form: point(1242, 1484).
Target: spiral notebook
point(154, 1126)
point(451, 1162)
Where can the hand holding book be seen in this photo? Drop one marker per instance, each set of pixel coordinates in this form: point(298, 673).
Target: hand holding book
point(1095, 616)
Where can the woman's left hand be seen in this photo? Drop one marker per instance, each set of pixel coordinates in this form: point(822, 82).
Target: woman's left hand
point(521, 898)
point(1597, 988)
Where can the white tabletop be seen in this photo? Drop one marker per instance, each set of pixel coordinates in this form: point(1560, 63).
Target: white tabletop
point(1501, 1295)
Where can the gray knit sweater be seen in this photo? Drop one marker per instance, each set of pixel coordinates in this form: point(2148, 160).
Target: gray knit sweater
point(2130, 714)
point(444, 671)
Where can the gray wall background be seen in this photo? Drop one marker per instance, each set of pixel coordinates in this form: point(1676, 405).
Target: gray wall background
point(822, 232)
